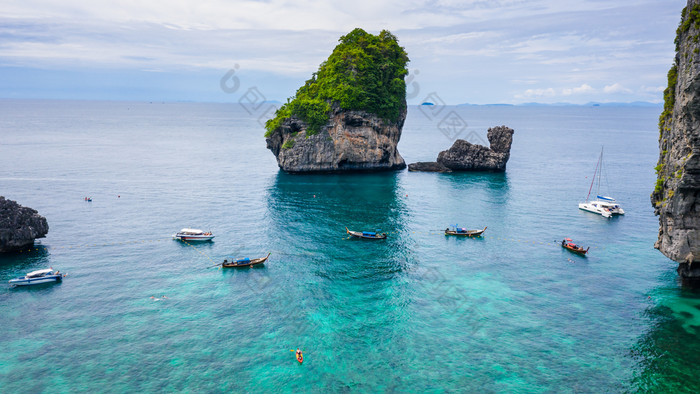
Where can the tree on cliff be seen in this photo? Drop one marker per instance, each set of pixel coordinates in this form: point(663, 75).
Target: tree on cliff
point(365, 72)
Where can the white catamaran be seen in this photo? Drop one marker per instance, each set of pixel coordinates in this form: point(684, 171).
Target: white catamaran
point(602, 205)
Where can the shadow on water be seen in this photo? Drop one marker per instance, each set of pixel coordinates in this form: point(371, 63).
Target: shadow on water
point(232, 271)
point(312, 212)
point(203, 245)
point(37, 258)
point(40, 288)
point(457, 238)
point(491, 188)
point(472, 200)
point(346, 287)
point(667, 355)
point(494, 182)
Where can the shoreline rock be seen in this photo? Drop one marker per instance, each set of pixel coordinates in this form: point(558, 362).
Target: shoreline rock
point(465, 156)
point(19, 226)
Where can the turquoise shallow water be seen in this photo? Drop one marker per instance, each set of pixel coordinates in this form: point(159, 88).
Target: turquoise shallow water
point(419, 311)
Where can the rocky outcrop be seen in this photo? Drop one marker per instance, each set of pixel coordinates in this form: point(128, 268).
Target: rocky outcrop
point(350, 141)
point(676, 197)
point(465, 156)
point(428, 166)
point(19, 226)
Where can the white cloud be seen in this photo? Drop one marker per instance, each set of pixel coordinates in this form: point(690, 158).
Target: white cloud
point(545, 93)
point(585, 88)
point(298, 15)
point(652, 89)
point(546, 43)
point(461, 37)
point(616, 88)
point(470, 50)
point(526, 81)
point(538, 93)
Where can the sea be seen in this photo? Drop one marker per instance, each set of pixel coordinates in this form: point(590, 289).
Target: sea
point(511, 311)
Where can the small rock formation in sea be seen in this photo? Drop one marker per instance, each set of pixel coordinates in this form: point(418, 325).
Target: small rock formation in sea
point(465, 156)
point(428, 166)
point(676, 197)
point(19, 226)
point(349, 115)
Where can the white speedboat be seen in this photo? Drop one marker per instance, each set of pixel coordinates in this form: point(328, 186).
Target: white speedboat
point(193, 235)
point(38, 277)
point(602, 205)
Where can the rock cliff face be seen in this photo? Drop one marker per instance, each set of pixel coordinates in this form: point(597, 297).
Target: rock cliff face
point(350, 141)
point(676, 198)
point(19, 226)
point(465, 156)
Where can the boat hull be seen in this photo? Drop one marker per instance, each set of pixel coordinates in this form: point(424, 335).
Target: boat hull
point(24, 281)
point(605, 212)
point(470, 233)
point(246, 264)
point(581, 252)
point(367, 237)
point(360, 234)
point(194, 238)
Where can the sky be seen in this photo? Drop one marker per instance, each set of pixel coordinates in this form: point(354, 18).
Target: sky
point(461, 51)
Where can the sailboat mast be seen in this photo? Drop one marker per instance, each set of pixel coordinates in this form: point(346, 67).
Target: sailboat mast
point(600, 172)
point(594, 174)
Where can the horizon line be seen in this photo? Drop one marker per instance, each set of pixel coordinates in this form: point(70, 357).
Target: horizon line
point(635, 103)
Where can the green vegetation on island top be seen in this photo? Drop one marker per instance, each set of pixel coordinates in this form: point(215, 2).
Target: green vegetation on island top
point(669, 97)
point(365, 72)
point(689, 18)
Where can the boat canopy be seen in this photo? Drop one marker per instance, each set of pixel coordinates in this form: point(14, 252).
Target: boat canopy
point(369, 233)
point(39, 273)
point(191, 231)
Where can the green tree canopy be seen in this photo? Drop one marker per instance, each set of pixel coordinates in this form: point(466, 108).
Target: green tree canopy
point(365, 72)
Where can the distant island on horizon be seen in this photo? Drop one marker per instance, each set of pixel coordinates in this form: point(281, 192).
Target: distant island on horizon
point(589, 104)
point(529, 104)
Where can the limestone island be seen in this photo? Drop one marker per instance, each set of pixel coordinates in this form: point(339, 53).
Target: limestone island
point(349, 115)
point(19, 226)
point(676, 197)
point(465, 156)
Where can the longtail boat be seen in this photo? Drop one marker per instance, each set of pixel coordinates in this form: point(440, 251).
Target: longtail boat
point(569, 245)
point(464, 232)
point(366, 234)
point(246, 262)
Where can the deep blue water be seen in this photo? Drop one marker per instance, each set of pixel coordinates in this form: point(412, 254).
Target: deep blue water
point(417, 312)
